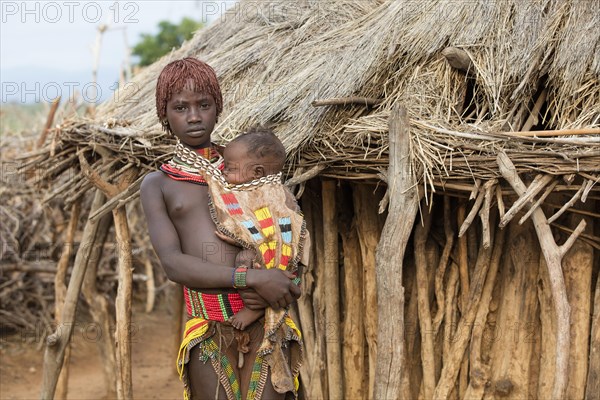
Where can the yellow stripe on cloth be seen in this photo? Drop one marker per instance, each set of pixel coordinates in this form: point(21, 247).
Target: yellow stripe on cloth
point(290, 322)
point(194, 328)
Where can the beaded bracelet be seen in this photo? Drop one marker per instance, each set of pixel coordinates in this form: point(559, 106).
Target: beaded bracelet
point(238, 278)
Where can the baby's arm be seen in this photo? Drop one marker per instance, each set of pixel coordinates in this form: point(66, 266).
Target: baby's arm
point(246, 316)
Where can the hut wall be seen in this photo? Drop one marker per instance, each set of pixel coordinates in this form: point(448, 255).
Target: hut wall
point(492, 329)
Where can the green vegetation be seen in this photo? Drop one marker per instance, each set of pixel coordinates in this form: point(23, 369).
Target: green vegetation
point(170, 36)
point(21, 119)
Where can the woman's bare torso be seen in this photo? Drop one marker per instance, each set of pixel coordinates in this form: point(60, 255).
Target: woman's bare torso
point(187, 206)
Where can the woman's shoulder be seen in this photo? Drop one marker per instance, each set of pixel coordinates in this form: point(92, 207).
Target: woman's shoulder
point(152, 181)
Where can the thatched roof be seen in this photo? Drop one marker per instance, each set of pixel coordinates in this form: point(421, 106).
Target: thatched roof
point(274, 59)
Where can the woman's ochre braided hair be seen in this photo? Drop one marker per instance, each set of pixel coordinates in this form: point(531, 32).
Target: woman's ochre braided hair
point(174, 78)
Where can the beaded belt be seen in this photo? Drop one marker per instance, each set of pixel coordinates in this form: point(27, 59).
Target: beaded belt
point(215, 307)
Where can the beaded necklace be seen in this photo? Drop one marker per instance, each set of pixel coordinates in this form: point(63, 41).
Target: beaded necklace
point(181, 170)
point(195, 162)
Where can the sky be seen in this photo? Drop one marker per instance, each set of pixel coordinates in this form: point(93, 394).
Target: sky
point(46, 46)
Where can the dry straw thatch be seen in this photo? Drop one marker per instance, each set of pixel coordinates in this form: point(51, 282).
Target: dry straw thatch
point(274, 59)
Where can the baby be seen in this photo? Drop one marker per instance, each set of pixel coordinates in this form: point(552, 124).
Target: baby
point(249, 157)
point(253, 209)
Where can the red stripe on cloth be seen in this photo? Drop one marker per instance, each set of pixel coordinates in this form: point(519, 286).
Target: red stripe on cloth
point(194, 327)
point(268, 255)
point(188, 305)
point(265, 223)
point(284, 260)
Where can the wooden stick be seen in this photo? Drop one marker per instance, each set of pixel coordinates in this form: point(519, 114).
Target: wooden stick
point(305, 175)
point(463, 262)
point(533, 115)
point(441, 269)
point(593, 241)
point(500, 201)
point(57, 342)
point(109, 190)
point(539, 182)
point(566, 206)
point(332, 306)
point(450, 325)
point(553, 256)
point(402, 212)
point(459, 59)
point(484, 214)
point(561, 132)
point(452, 364)
point(480, 371)
point(343, 101)
point(539, 201)
point(427, 350)
point(49, 120)
point(472, 214)
point(589, 184)
point(60, 292)
point(119, 200)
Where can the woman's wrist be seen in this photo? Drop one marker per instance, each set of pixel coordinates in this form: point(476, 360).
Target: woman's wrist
point(238, 278)
point(250, 278)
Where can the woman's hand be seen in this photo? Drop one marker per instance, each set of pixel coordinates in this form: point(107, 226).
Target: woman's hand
point(253, 300)
point(275, 286)
point(226, 239)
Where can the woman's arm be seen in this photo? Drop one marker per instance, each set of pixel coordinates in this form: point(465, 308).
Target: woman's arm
point(274, 285)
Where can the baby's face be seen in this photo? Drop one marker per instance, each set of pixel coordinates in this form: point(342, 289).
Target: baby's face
point(240, 167)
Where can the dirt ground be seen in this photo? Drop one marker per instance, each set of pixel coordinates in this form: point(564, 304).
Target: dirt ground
point(153, 363)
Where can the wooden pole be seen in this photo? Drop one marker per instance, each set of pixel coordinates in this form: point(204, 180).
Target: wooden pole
point(553, 255)
point(367, 227)
point(60, 292)
point(311, 377)
point(403, 206)
point(99, 308)
point(354, 336)
point(463, 260)
point(123, 305)
point(577, 266)
point(332, 306)
point(427, 350)
point(592, 390)
point(512, 352)
point(548, 332)
point(57, 342)
point(319, 368)
point(479, 369)
point(124, 269)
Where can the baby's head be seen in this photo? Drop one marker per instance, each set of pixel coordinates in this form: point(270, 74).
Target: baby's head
point(252, 155)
